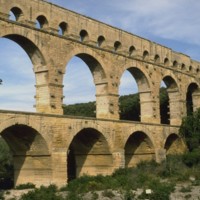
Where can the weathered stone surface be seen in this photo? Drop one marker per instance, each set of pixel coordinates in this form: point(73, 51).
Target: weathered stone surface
point(52, 148)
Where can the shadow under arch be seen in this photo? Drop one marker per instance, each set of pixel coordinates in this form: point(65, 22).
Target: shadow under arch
point(174, 145)
point(138, 148)
point(190, 100)
point(31, 157)
point(88, 153)
point(29, 47)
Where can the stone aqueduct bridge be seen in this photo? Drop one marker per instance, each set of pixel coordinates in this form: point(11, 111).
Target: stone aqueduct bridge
point(51, 148)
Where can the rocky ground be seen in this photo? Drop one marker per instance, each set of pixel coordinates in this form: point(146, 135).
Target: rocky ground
point(182, 192)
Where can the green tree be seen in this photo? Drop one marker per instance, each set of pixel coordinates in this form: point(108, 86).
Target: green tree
point(80, 109)
point(130, 107)
point(164, 106)
point(6, 166)
point(190, 131)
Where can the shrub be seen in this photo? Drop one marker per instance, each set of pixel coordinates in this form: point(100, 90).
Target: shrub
point(95, 196)
point(190, 129)
point(129, 195)
point(1, 195)
point(160, 191)
point(72, 195)
point(43, 193)
point(192, 158)
point(108, 193)
point(186, 189)
point(25, 186)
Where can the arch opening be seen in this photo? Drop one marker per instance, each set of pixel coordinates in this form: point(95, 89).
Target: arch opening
point(174, 145)
point(157, 59)
point(142, 100)
point(62, 29)
point(171, 105)
point(17, 59)
point(83, 35)
point(183, 67)
point(82, 85)
point(15, 14)
point(100, 41)
point(28, 148)
point(192, 88)
point(132, 51)
point(117, 46)
point(164, 104)
point(18, 87)
point(166, 62)
point(41, 22)
point(138, 148)
point(89, 154)
point(145, 55)
point(129, 98)
point(175, 64)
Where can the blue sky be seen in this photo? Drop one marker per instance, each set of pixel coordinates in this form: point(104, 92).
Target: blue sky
point(173, 23)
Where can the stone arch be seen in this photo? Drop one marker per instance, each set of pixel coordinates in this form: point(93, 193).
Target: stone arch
point(190, 68)
point(192, 97)
point(145, 55)
point(183, 67)
point(62, 28)
point(174, 100)
point(30, 154)
point(174, 145)
point(117, 46)
point(42, 22)
point(94, 65)
point(144, 90)
point(100, 41)
point(157, 59)
point(83, 35)
point(138, 147)
point(17, 12)
point(132, 51)
point(166, 62)
point(197, 69)
point(97, 70)
point(29, 47)
point(175, 64)
point(33, 50)
point(88, 153)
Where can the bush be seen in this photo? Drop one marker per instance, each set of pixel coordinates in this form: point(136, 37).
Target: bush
point(43, 193)
point(192, 158)
point(6, 166)
point(108, 193)
point(1, 195)
point(25, 186)
point(160, 191)
point(72, 195)
point(190, 129)
point(129, 195)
